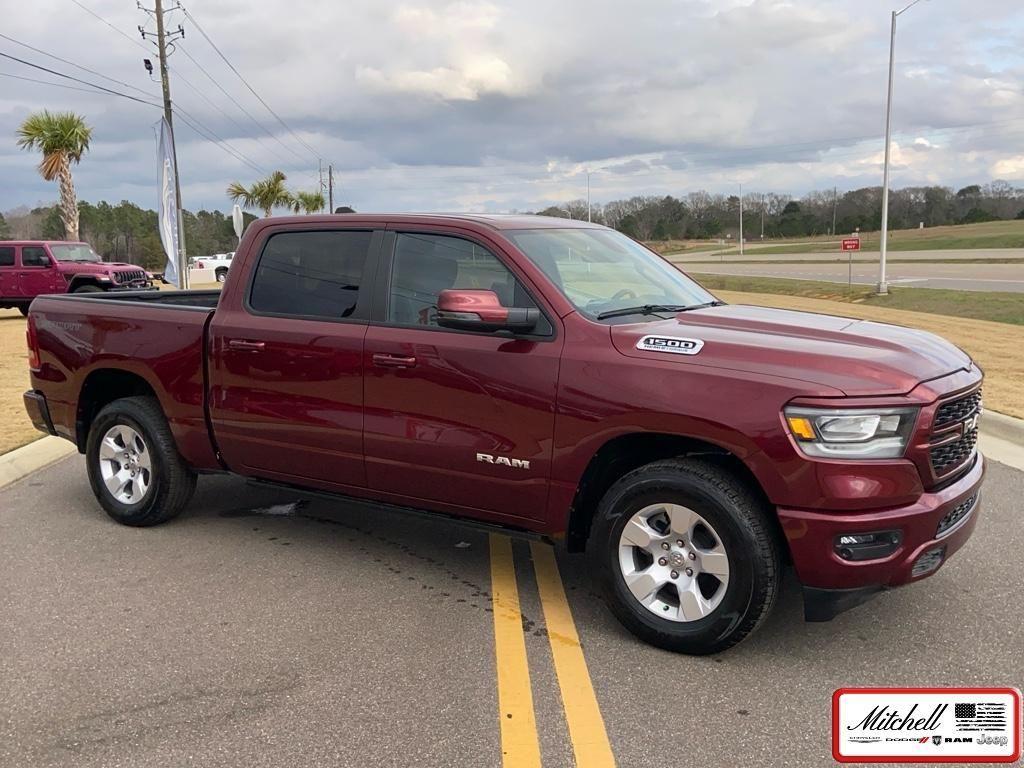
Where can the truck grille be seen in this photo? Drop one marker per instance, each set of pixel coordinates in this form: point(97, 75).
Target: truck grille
point(958, 410)
point(955, 515)
point(951, 455)
point(954, 434)
point(130, 276)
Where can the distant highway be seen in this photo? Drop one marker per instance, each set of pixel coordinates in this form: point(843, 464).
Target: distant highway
point(752, 254)
point(967, 277)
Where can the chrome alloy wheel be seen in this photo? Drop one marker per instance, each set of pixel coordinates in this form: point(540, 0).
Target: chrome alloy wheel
point(125, 464)
point(673, 562)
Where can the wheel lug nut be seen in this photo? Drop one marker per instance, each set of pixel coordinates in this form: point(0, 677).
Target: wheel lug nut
point(679, 542)
point(675, 574)
point(662, 561)
point(692, 556)
point(665, 545)
point(689, 571)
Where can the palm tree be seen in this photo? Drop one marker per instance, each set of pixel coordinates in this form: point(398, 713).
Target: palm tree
point(62, 137)
point(308, 202)
point(268, 194)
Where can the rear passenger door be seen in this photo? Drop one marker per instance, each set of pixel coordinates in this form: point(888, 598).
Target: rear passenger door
point(461, 421)
point(286, 378)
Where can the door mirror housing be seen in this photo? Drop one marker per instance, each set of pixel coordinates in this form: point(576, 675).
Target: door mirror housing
point(476, 310)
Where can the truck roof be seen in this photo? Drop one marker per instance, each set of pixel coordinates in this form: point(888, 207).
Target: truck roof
point(493, 220)
point(42, 242)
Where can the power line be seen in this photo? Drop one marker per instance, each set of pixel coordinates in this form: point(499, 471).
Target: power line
point(77, 66)
point(235, 102)
point(192, 121)
point(47, 82)
point(78, 80)
point(246, 83)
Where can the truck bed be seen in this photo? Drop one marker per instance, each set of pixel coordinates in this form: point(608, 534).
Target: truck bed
point(94, 345)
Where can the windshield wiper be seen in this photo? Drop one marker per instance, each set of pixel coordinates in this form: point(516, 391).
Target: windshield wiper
point(705, 305)
point(651, 309)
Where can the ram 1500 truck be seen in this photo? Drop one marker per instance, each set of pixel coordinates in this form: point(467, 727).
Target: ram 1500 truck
point(30, 268)
point(546, 376)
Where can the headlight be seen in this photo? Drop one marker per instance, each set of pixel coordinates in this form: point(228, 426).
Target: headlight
point(868, 433)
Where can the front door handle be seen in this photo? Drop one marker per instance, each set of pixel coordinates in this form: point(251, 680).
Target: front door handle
point(385, 360)
point(245, 345)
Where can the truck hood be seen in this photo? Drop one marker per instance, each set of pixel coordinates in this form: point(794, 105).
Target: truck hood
point(856, 357)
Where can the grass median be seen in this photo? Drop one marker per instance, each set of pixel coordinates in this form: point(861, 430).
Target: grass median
point(992, 306)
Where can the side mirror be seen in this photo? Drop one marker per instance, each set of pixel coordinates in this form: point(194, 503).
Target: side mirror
point(474, 310)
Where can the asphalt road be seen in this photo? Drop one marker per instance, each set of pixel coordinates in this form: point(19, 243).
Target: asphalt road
point(752, 253)
point(262, 629)
point(969, 277)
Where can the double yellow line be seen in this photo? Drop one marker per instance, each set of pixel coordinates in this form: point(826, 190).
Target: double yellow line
point(520, 746)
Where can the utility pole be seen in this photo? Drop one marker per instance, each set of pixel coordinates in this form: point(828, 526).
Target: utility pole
point(162, 41)
point(330, 188)
point(762, 215)
point(323, 186)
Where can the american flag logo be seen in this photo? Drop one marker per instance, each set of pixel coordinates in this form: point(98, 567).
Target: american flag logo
point(980, 716)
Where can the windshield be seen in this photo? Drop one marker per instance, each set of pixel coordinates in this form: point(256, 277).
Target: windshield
point(601, 271)
point(74, 252)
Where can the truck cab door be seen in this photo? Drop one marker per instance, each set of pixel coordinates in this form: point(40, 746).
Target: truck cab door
point(38, 272)
point(286, 357)
point(459, 421)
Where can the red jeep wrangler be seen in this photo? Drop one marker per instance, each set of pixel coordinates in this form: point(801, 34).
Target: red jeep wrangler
point(30, 268)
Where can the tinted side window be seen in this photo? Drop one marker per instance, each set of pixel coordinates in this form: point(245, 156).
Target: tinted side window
point(425, 265)
point(7, 256)
point(310, 273)
point(34, 256)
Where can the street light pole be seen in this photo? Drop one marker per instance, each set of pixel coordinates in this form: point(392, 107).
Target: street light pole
point(883, 286)
point(588, 194)
point(741, 220)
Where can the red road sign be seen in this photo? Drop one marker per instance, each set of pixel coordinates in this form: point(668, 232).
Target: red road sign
point(851, 243)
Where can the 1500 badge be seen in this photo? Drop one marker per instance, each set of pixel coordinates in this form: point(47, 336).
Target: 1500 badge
point(675, 345)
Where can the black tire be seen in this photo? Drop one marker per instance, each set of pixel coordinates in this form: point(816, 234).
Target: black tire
point(742, 523)
point(88, 288)
point(222, 275)
point(23, 308)
point(171, 483)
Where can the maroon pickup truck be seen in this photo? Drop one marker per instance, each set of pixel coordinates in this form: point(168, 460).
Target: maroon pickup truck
point(30, 268)
point(546, 376)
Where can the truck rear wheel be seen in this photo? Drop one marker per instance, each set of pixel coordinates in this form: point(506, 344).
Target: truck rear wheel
point(685, 556)
point(222, 275)
point(135, 469)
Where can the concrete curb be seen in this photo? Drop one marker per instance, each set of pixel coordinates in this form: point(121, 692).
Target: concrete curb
point(23, 461)
point(1002, 426)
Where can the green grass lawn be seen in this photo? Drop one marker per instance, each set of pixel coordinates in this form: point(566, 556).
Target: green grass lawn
point(994, 306)
point(990, 234)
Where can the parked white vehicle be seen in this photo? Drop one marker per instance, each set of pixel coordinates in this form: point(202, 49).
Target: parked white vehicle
point(220, 263)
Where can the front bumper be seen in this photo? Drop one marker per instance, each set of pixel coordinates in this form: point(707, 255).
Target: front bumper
point(833, 584)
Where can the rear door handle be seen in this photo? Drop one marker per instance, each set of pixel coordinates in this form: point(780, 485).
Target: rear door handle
point(384, 360)
point(244, 345)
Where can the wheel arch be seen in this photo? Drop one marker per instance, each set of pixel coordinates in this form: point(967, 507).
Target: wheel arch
point(77, 281)
point(101, 387)
point(626, 452)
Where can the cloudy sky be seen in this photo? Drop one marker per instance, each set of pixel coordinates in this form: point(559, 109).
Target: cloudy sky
point(479, 105)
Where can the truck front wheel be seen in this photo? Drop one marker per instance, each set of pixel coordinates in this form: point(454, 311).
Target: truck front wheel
point(685, 556)
point(135, 469)
point(87, 288)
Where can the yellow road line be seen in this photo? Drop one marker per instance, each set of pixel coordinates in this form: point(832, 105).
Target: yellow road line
point(520, 747)
point(586, 726)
